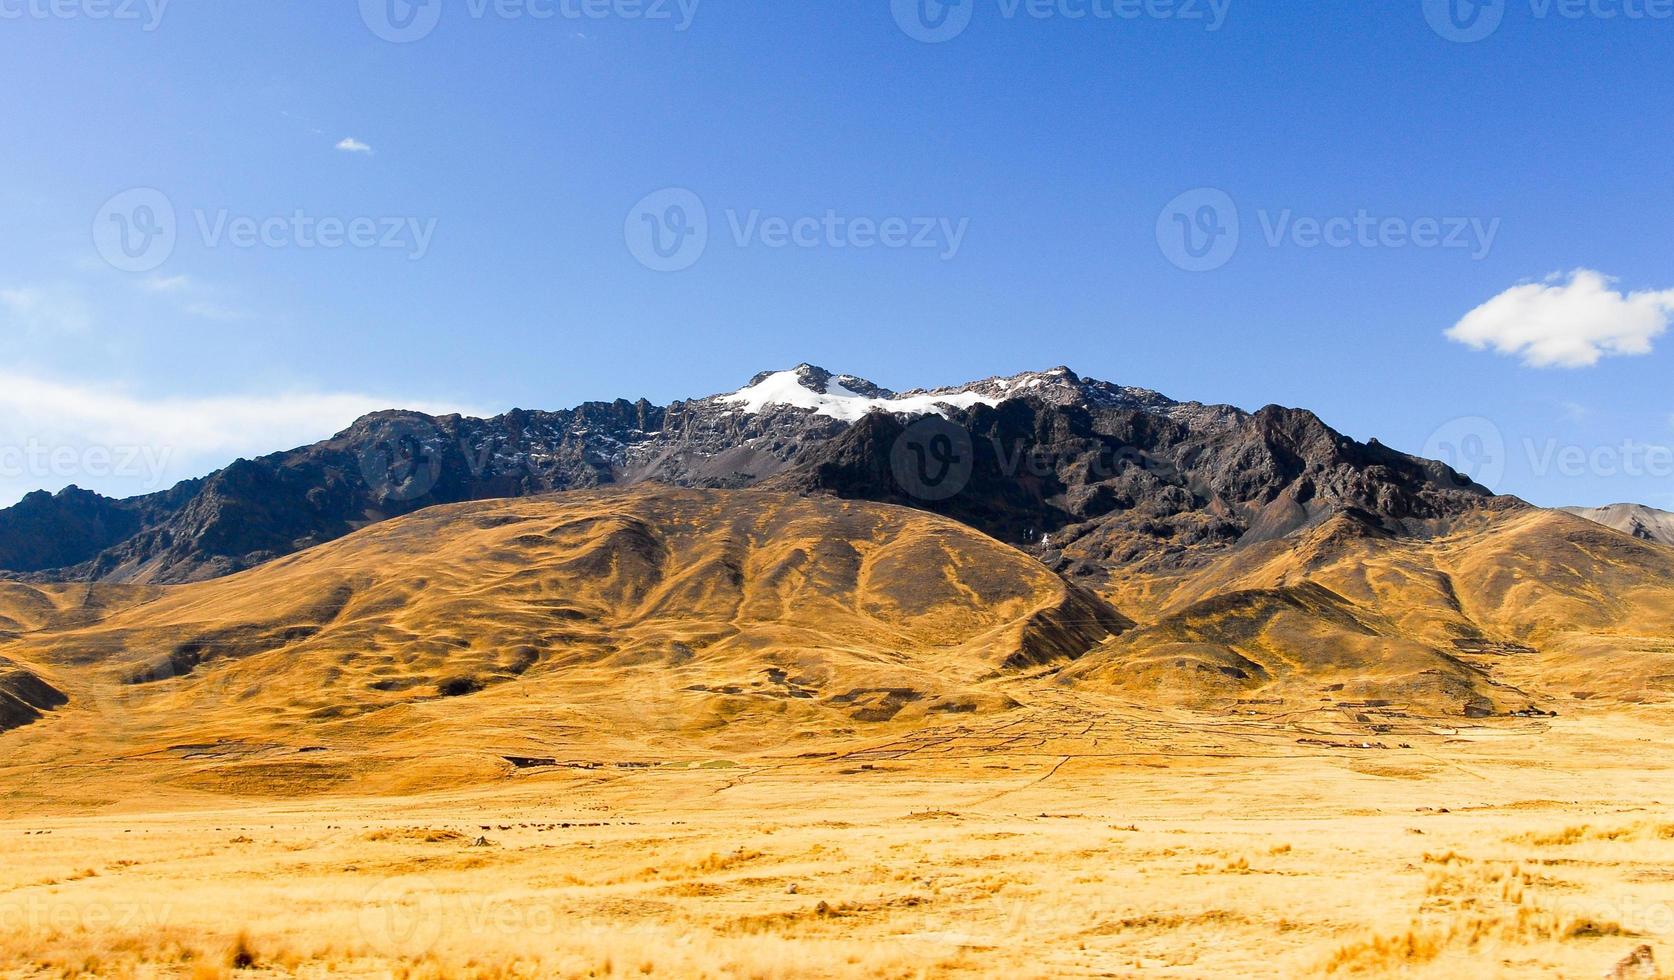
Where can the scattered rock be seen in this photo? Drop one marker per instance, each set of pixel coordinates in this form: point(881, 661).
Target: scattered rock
point(1641, 964)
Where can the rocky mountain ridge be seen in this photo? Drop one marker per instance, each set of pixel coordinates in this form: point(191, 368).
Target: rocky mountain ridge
point(1088, 475)
point(1638, 520)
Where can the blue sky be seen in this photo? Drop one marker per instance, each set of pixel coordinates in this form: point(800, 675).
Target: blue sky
point(504, 166)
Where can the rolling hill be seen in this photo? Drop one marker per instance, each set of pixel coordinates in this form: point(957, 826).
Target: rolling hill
point(466, 641)
point(1514, 609)
point(414, 603)
point(521, 629)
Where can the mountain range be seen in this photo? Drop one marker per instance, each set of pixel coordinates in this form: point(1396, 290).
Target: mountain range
point(811, 553)
point(1089, 476)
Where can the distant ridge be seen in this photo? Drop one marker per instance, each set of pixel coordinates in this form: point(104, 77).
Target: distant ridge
point(1644, 523)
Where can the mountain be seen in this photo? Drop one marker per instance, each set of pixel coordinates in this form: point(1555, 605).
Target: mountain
point(1091, 477)
point(1506, 610)
point(643, 613)
point(1645, 523)
point(1096, 489)
point(464, 641)
point(46, 531)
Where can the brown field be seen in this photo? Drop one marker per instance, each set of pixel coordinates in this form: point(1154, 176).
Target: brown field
point(690, 735)
point(1055, 845)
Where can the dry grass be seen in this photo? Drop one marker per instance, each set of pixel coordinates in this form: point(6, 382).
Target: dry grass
point(1284, 866)
point(772, 740)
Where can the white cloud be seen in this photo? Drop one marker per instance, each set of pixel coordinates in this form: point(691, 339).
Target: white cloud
point(1568, 323)
point(195, 299)
point(55, 433)
point(1575, 411)
point(166, 284)
point(351, 145)
point(42, 310)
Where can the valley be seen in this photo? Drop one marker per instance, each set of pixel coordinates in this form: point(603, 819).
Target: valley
point(675, 732)
point(722, 690)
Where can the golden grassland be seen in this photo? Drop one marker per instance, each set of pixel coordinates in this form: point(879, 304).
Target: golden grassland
point(1506, 849)
point(689, 734)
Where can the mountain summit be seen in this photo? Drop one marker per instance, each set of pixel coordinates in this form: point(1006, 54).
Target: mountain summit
point(1089, 475)
point(849, 398)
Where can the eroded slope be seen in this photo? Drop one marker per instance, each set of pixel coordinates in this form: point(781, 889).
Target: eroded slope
point(524, 628)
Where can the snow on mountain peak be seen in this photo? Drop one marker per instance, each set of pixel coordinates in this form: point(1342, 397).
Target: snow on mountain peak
point(841, 396)
point(849, 399)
